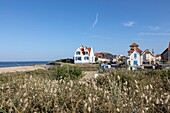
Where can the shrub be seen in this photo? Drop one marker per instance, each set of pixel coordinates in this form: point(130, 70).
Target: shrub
point(66, 72)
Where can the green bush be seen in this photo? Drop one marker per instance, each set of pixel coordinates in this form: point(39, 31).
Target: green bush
point(66, 72)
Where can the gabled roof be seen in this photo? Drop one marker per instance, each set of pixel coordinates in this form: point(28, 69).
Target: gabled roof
point(134, 45)
point(83, 49)
point(89, 49)
point(147, 52)
point(167, 49)
point(137, 49)
point(158, 55)
point(99, 55)
point(104, 55)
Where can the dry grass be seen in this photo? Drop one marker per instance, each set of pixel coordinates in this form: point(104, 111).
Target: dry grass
point(117, 91)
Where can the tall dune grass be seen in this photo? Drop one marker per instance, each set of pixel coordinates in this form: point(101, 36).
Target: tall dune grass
point(117, 91)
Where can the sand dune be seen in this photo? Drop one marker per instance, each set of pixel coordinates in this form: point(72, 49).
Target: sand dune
point(21, 68)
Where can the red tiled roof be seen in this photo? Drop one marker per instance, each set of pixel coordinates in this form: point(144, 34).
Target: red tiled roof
point(130, 51)
point(158, 55)
point(82, 49)
point(89, 49)
point(147, 52)
point(137, 49)
point(134, 45)
point(99, 55)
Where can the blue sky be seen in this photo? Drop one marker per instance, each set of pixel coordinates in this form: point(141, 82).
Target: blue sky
point(54, 29)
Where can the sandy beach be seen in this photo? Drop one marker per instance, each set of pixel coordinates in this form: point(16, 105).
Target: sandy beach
point(21, 68)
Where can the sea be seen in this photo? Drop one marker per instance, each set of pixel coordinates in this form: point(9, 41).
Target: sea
point(21, 63)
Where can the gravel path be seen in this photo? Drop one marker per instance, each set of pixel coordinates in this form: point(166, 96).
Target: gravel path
point(90, 74)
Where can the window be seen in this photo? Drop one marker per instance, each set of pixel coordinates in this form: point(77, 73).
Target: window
point(152, 62)
point(135, 55)
point(86, 53)
point(86, 58)
point(135, 62)
point(129, 62)
point(147, 56)
point(78, 58)
point(78, 53)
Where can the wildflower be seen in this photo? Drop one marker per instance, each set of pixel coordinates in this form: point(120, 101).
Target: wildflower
point(71, 83)
point(147, 87)
point(51, 90)
point(20, 100)
point(24, 94)
point(157, 101)
point(143, 95)
point(24, 86)
point(151, 86)
point(165, 93)
point(86, 84)
point(89, 109)
point(2, 87)
point(136, 91)
point(125, 93)
point(118, 110)
point(166, 101)
point(150, 98)
point(124, 88)
point(85, 105)
point(25, 100)
point(25, 106)
point(95, 87)
point(124, 105)
point(161, 101)
point(118, 77)
point(126, 83)
point(90, 100)
point(137, 86)
point(108, 97)
point(31, 77)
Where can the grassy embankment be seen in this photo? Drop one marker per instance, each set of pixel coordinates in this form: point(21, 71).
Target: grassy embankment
point(61, 90)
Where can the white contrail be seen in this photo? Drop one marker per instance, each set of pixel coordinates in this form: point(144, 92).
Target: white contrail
point(95, 22)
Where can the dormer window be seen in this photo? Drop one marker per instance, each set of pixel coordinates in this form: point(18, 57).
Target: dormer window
point(86, 52)
point(78, 53)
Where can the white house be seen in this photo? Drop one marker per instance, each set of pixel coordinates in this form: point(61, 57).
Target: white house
point(134, 61)
point(103, 60)
point(158, 58)
point(134, 57)
point(84, 55)
point(148, 58)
